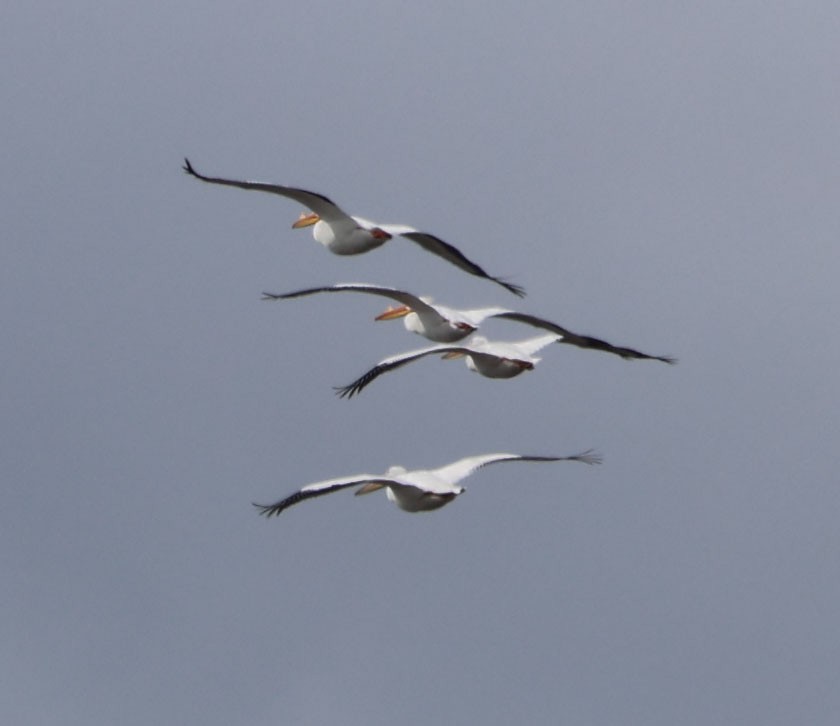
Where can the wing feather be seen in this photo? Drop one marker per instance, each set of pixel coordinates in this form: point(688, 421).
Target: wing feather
point(462, 468)
point(582, 341)
point(324, 207)
point(477, 316)
point(406, 298)
point(318, 489)
point(450, 253)
point(534, 345)
point(390, 364)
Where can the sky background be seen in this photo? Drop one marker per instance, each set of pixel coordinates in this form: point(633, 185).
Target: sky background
point(665, 178)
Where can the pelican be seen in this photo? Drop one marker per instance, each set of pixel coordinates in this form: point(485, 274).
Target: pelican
point(442, 324)
point(490, 359)
point(420, 490)
point(345, 235)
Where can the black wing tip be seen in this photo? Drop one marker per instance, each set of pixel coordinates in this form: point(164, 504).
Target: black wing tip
point(272, 296)
point(356, 387)
point(190, 169)
point(349, 390)
point(268, 510)
point(592, 343)
point(636, 355)
point(517, 290)
point(590, 456)
point(343, 391)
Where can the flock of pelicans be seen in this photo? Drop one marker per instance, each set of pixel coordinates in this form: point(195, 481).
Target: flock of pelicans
point(422, 489)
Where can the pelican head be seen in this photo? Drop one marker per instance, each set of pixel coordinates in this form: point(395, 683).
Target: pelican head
point(306, 219)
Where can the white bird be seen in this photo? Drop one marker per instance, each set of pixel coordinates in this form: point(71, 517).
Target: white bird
point(490, 359)
point(345, 235)
point(420, 490)
point(442, 324)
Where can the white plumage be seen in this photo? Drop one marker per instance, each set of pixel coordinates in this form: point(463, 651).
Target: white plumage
point(490, 359)
point(420, 490)
point(442, 324)
point(345, 235)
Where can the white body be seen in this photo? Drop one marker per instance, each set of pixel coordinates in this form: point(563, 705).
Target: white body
point(444, 325)
point(347, 236)
point(420, 491)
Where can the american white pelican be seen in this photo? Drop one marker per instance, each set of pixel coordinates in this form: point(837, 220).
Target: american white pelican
point(345, 235)
point(490, 359)
point(420, 490)
point(442, 324)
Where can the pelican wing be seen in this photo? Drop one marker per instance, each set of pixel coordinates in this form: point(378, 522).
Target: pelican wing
point(325, 208)
point(437, 246)
point(319, 489)
point(462, 468)
point(406, 298)
point(533, 345)
point(477, 316)
point(582, 341)
point(396, 361)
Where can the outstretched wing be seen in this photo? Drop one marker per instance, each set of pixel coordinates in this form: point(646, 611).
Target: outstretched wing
point(437, 246)
point(406, 298)
point(582, 341)
point(325, 208)
point(534, 345)
point(462, 468)
point(397, 361)
point(477, 316)
point(318, 489)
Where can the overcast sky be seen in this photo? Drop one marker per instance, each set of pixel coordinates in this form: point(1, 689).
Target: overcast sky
point(665, 178)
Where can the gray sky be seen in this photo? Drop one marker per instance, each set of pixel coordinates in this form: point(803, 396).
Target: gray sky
point(663, 178)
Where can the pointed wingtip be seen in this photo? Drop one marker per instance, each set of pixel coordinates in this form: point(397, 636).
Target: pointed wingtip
point(517, 290)
point(345, 391)
point(590, 456)
point(265, 510)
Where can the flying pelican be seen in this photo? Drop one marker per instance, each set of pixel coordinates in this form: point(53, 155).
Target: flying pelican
point(420, 490)
point(345, 235)
point(490, 359)
point(442, 324)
